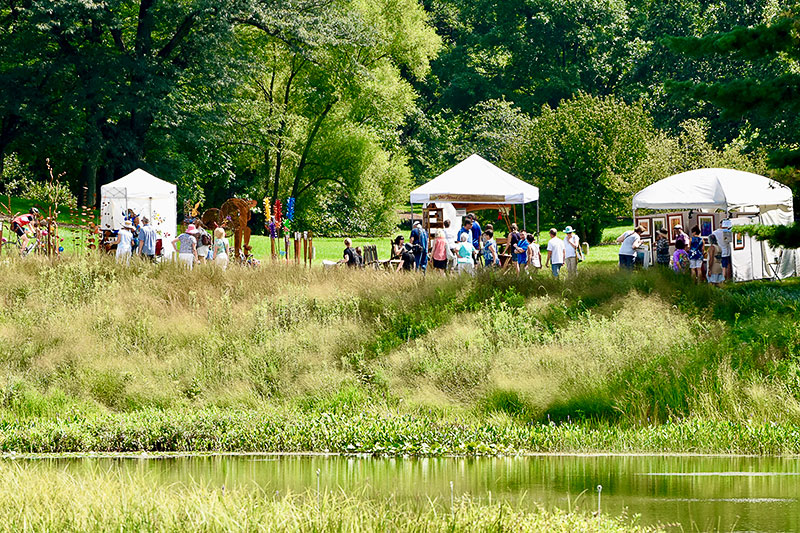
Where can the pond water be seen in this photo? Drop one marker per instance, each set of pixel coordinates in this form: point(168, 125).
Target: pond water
point(697, 492)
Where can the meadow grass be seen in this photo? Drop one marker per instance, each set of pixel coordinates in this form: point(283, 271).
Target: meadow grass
point(39, 498)
point(97, 356)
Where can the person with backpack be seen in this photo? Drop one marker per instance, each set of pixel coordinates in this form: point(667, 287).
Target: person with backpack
point(680, 258)
point(419, 245)
point(350, 257)
point(696, 249)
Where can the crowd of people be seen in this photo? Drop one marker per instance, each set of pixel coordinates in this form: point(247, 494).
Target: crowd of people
point(472, 247)
point(194, 246)
point(710, 263)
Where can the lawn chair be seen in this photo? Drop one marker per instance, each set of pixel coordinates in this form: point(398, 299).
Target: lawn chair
point(371, 256)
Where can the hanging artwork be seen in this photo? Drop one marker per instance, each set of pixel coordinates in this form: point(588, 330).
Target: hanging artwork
point(672, 221)
point(645, 223)
point(738, 241)
point(706, 224)
point(657, 223)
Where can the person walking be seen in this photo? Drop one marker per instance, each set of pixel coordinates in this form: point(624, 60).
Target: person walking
point(696, 249)
point(221, 251)
point(124, 242)
point(187, 254)
point(662, 248)
point(147, 240)
point(464, 255)
point(572, 249)
point(555, 252)
point(629, 242)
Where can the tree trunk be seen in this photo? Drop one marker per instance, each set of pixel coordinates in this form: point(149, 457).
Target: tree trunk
point(303, 158)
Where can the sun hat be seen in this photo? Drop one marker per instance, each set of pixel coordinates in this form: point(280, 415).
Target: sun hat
point(677, 226)
point(190, 228)
point(568, 229)
point(127, 224)
point(726, 224)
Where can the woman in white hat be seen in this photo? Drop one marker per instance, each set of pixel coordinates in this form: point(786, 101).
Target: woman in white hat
point(124, 242)
point(188, 250)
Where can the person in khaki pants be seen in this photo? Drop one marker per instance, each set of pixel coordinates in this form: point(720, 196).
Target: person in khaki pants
point(572, 245)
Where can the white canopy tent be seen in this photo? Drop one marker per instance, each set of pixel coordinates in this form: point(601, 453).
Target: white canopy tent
point(147, 196)
point(731, 191)
point(476, 181)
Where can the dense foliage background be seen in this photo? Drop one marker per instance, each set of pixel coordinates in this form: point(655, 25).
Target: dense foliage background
point(346, 104)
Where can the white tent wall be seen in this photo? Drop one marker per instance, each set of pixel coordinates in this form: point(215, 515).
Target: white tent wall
point(759, 260)
point(735, 194)
point(148, 197)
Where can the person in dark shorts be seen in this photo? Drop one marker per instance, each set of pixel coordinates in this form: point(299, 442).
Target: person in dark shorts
point(439, 253)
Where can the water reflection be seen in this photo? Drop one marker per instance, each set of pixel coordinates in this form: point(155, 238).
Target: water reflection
point(729, 493)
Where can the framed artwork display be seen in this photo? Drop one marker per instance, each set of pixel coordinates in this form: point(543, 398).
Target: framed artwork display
point(656, 223)
point(672, 221)
point(738, 241)
point(645, 223)
point(706, 224)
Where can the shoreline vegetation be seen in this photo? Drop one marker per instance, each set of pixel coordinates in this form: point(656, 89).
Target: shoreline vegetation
point(97, 357)
point(103, 500)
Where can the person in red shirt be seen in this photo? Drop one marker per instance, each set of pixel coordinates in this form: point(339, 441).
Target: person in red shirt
point(18, 226)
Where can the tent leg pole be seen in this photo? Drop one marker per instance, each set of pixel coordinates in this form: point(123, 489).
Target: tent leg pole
point(524, 227)
point(538, 230)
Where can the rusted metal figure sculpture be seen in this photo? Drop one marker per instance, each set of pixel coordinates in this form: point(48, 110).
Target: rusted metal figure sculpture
point(234, 215)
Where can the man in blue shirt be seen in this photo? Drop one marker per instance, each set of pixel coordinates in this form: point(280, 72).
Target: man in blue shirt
point(419, 236)
point(465, 228)
point(147, 240)
point(521, 250)
point(476, 231)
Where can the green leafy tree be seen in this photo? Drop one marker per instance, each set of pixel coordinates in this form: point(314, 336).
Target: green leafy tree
point(768, 103)
point(583, 156)
point(321, 119)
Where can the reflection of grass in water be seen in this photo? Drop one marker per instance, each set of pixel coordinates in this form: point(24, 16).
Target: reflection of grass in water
point(88, 347)
point(40, 498)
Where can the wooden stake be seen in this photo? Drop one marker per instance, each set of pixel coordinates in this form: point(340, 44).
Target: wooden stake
point(305, 249)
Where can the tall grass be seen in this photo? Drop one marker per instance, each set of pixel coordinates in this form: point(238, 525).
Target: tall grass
point(43, 499)
point(86, 340)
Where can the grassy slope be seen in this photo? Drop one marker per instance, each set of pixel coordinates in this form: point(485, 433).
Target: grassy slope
point(96, 356)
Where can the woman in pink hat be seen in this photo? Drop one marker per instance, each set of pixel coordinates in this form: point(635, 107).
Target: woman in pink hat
point(187, 253)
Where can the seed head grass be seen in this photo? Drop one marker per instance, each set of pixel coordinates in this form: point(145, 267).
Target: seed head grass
point(86, 343)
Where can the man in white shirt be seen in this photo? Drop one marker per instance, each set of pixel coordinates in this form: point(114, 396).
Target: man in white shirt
point(571, 245)
point(555, 252)
point(724, 239)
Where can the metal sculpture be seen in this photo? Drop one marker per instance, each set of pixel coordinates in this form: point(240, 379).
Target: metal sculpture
point(233, 215)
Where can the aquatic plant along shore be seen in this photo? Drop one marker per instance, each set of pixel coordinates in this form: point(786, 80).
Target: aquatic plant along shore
point(102, 500)
point(97, 357)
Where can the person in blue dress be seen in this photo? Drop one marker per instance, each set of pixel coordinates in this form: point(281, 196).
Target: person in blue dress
point(419, 243)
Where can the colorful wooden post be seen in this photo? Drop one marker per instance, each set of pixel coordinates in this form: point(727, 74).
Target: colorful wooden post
point(286, 246)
